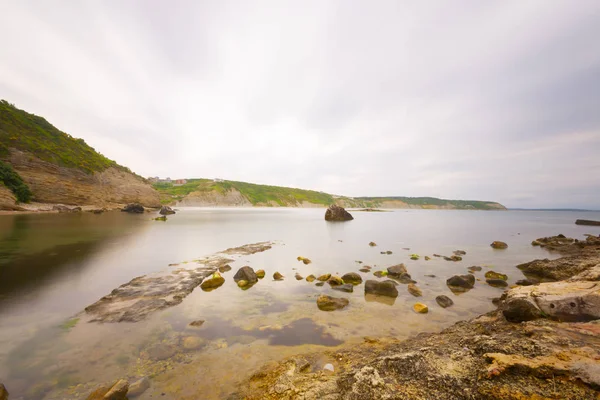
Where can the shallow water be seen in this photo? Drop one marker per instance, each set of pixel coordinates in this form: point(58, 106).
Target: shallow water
point(53, 266)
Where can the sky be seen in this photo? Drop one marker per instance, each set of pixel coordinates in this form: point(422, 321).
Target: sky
point(485, 100)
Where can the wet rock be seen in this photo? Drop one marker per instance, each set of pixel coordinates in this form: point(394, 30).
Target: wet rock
point(305, 260)
point(347, 287)
point(499, 283)
point(277, 276)
point(520, 309)
point(420, 308)
point(372, 244)
point(3, 392)
point(444, 301)
point(474, 269)
point(587, 222)
point(197, 323)
point(138, 387)
point(134, 208)
point(365, 270)
point(98, 393)
point(214, 282)
point(225, 268)
point(260, 273)
point(524, 282)
point(461, 283)
point(319, 284)
point(118, 391)
point(385, 288)
point(427, 258)
point(337, 213)
point(328, 303)
point(161, 351)
point(414, 256)
point(166, 210)
point(310, 278)
point(414, 290)
point(352, 277)
point(430, 276)
point(498, 245)
point(459, 252)
point(380, 274)
point(246, 273)
point(242, 283)
point(298, 277)
point(556, 270)
point(496, 275)
point(323, 278)
point(163, 218)
point(192, 343)
point(397, 270)
point(335, 281)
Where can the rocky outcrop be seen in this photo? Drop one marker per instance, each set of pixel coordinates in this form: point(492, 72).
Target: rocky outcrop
point(8, 201)
point(134, 208)
point(54, 184)
point(587, 222)
point(229, 198)
point(337, 213)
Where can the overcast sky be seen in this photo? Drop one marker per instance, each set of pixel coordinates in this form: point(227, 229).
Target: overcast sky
point(490, 100)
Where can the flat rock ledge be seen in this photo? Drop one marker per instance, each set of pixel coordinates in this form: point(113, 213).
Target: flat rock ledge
point(143, 295)
point(541, 354)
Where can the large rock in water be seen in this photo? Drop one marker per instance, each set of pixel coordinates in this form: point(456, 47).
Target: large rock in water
point(135, 208)
point(166, 210)
point(337, 213)
point(246, 274)
point(328, 303)
point(461, 283)
point(587, 222)
point(385, 288)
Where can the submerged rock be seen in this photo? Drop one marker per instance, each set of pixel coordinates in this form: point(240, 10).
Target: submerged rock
point(385, 288)
point(459, 252)
point(160, 352)
point(498, 245)
point(337, 213)
point(118, 391)
point(138, 387)
point(163, 218)
point(352, 277)
point(247, 274)
point(500, 283)
point(192, 343)
point(461, 283)
point(444, 301)
point(197, 323)
point(380, 274)
point(414, 256)
point(225, 268)
point(347, 287)
point(421, 308)
point(328, 303)
point(319, 283)
point(214, 282)
point(323, 278)
point(134, 208)
point(414, 290)
point(277, 276)
point(166, 210)
point(310, 278)
point(496, 275)
point(366, 270)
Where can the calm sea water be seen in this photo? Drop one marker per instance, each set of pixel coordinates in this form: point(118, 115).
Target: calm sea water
point(52, 266)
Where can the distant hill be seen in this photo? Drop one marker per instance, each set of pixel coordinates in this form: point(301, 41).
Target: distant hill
point(208, 192)
point(58, 168)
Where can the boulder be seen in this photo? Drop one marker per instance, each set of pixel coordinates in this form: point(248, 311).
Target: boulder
point(420, 308)
point(134, 208)
point(118, 391)
point(247, 274)
point(414, 290)
point(563, 301)
point(352, 277)
point(444, 301)
point(138, 387)
point(324, 278)
point(328, 303)
point(385, 288)
point(498, 245)
point(337, 213)
point(310, 278)
point(335, 281)
point(3, 392)
point(277, 276)
point(500, 283)
point(215, 281)
point(347, 287)
point(496, 275)
point(397, 270)
point(461, 283)
point(166, 210)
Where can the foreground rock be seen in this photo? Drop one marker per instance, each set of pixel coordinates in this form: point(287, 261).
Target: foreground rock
point(143, 295)
point(587, 222)
point(166, 210)
point(247, 274)
point(215, 281)
point(115, 391)
point(337, 213)
point(138, 387)
point(461, 283)
point(134, 208)
point(386, 288)
point(328, 303)
point(3, 392)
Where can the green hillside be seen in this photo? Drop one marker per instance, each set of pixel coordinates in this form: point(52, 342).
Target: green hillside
point(283, 196)
point(28, 132)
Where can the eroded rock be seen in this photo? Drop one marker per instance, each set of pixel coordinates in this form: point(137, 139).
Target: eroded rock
point(337, 213)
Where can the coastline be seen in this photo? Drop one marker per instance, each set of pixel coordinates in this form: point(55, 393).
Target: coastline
point(517, 351)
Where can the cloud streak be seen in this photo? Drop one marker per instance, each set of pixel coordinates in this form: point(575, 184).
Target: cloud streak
point(471, 100)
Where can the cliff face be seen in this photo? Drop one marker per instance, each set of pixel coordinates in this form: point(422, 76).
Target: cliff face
point(230, 198)
point(7, 200)
point(51, 183)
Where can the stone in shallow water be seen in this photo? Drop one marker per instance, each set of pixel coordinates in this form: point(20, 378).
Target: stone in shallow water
point(461, 283)
point(118, 391)
point(197, 323)
point(138, 387)
point(495, 275)
point(498, 245)
point(277, 276)
point(348, 288)
point(474, 269)
point(328, 303)
point(397, 270)
point(414, 290)
point(213, 283)
point(385, 288)
point(310, 278)
point(323, 278)
point(500, 283)
point(161, 352)
point(337, 213)
point(299, 277)
point(260, 273)
point(3, 392)
point(335, 281)
point(444, 301)
point(192, 343)
point(247, 274)
point(421, 308)
point(352, 277)
point(225, 268)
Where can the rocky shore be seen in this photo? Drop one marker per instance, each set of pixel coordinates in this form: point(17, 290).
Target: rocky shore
point(542, 342)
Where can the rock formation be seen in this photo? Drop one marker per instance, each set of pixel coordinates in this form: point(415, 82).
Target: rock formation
point(337, 213)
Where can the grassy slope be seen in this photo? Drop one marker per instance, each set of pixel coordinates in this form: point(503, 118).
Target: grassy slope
point(265, 194)
point(28, 132)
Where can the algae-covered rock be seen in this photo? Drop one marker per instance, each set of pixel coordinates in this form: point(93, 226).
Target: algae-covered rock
point(324, 277)
point(495, 275)
point(310, 278)
point(277, 276)
point(242, 283)
point(328, 303)
point(498, 245)
point(215, 281)
point(163, 218)
point(335, 281)
point(420, 308)
point(260, 273)
point(305, 260)
point(352, 277)
point(380, 274)
point(414, 256)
